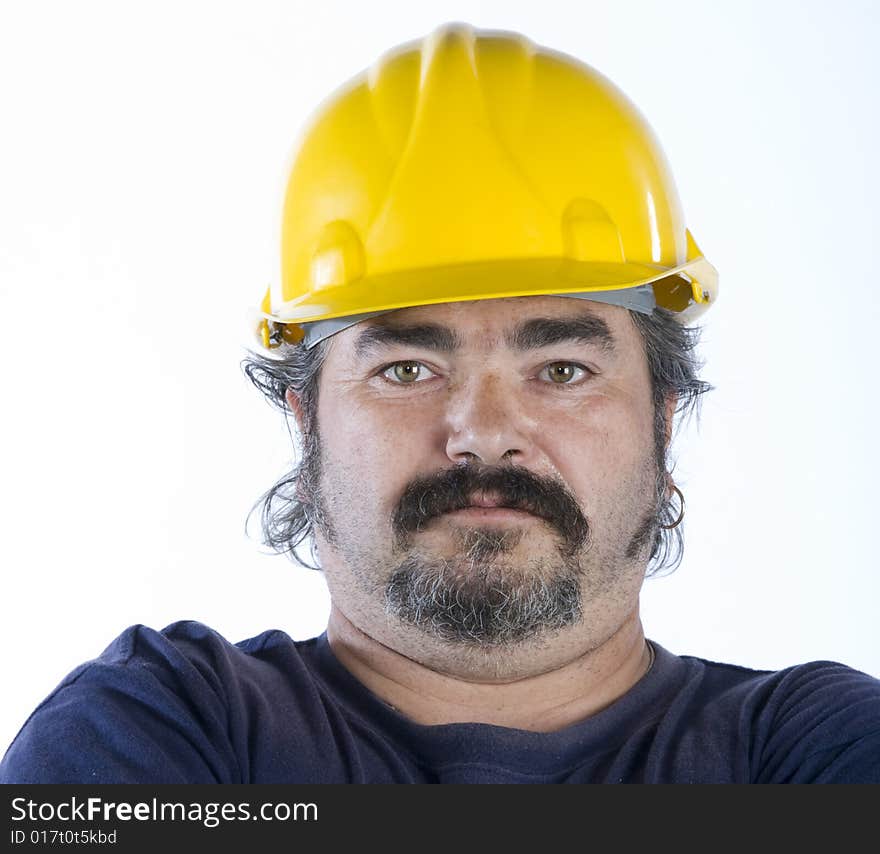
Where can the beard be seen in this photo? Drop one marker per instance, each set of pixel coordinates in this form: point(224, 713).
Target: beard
point(476, 596)
point(476, 599)
point(480, 595)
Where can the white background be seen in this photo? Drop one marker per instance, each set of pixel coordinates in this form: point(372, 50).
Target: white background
point(142, 154)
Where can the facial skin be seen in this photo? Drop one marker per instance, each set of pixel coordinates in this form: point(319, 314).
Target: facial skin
point(527, 620)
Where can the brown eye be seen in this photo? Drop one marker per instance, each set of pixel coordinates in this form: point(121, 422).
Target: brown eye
point(561, 373)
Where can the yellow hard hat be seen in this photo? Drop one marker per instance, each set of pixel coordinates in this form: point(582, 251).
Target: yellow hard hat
point(474, 164)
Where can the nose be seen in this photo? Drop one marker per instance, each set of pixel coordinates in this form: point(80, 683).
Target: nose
point(487, 420)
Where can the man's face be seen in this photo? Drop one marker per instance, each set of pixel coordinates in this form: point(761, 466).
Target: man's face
point(496, 402)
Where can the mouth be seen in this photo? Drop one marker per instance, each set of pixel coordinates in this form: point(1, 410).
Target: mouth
point(487, 506)
point(494, 513)
point(483, 499)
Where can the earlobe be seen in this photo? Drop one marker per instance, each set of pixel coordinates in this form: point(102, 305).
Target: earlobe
point(295, 406)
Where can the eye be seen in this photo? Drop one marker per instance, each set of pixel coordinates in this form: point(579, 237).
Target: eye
point(409, 372)
point(403, 373)
point(561, 373)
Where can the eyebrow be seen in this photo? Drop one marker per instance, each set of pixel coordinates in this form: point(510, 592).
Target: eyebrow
point(531, 334)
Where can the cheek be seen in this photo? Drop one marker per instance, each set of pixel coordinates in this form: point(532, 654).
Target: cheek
point(602, 448)
point(367, 436)
point(370, 456)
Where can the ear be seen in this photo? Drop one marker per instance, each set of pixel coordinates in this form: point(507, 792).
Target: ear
point(296, 407)
point(671, 403)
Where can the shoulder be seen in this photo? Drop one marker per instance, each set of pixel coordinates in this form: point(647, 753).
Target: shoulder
point(155, 706)
point(191, 660)
point(812, 722)
point(191, 650)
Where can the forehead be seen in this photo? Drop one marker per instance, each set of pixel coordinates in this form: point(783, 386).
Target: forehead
point(515, 323)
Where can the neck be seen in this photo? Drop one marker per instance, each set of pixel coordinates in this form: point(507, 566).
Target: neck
point(581, 681)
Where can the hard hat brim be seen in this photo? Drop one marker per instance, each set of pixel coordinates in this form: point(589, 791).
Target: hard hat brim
point(688, 289)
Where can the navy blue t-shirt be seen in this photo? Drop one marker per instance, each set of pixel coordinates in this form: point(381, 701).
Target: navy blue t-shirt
point(184, 705)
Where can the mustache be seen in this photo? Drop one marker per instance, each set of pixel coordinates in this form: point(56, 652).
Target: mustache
point(451, 489)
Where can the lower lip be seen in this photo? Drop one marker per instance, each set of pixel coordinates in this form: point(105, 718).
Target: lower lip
point(498, 514)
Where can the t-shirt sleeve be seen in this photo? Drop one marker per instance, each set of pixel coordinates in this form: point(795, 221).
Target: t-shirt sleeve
point(825, 727)
point(143, 712)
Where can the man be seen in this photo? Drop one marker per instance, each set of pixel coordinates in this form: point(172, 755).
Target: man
point(481, 334)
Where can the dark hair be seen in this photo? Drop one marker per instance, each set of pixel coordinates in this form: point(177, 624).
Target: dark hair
point(288, 518)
